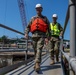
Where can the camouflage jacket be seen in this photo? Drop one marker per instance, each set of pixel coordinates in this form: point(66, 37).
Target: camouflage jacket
point(38, 33)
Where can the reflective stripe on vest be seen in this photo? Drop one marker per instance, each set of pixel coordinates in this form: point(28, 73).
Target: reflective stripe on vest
point(38, 24)
point(54, 29)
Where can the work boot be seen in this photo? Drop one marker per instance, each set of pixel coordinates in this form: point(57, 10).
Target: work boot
point(37, 67)
point(52, 62)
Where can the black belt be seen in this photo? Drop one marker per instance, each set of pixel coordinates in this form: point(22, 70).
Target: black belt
point(55, 36)
point(37, 31)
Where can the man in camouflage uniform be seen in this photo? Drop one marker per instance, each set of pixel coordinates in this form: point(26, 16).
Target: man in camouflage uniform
point(56, 31)
point(37, 36)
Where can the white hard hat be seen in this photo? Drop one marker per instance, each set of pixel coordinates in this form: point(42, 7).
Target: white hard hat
point(38, 5)
point(55, 15)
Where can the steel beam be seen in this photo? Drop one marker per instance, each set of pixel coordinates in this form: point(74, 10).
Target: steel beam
point(6, 27)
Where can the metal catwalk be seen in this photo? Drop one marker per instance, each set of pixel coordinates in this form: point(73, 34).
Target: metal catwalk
point(46, 68)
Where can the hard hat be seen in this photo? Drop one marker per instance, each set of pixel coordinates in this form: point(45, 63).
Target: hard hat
point(55, 15)
point(38, 5)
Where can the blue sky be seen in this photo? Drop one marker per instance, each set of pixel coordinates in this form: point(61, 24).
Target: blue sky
point(10, 15)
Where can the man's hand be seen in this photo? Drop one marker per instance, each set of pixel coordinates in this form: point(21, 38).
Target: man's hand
point(46, 41)
point(61, 34)
point(26, 36)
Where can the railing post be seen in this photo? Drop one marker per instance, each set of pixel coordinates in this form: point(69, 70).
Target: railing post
point(61, 56)
point(26, 49)
point(72, 4)
point(72, 7)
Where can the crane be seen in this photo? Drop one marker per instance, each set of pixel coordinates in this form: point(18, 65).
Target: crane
point(22, 13)
point(23, 18)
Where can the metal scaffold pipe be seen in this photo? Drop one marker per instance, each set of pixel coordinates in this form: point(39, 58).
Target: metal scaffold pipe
point(72, 6)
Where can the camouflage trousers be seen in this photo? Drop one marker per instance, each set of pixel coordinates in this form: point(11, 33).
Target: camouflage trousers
point(53, 48)
point(38, 43)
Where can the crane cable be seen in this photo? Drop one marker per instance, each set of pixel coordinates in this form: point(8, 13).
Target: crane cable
point(5, 15)
point(5, 12)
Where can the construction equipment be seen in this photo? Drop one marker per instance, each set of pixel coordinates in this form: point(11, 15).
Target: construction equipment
point(22, 13)
point(23, 18)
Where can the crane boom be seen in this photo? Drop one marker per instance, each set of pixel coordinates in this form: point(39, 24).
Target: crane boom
point(22, 13)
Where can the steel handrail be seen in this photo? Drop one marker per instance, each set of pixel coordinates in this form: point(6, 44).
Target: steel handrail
point(66, 20)
point(11, 29)
point(71, 60)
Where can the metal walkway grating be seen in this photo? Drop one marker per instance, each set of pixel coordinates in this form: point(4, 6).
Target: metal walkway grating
point(46, 68)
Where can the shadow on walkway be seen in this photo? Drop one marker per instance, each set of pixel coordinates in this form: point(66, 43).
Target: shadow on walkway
point(50, 67)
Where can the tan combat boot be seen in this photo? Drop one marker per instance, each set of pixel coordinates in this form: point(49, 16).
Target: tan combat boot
point(37, 67)
point(52, 62)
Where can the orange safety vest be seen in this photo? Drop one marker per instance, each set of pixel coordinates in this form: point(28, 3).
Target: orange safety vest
point(38, 24)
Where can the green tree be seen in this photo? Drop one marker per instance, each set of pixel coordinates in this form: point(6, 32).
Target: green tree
point(4, 39)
